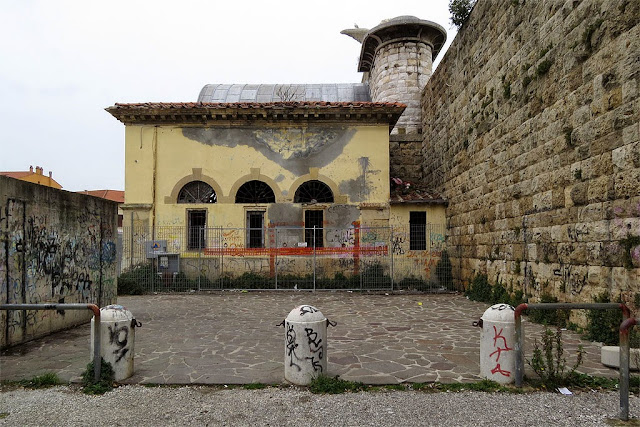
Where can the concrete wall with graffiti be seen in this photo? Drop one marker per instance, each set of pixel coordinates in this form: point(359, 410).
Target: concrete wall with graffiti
point(56, 247)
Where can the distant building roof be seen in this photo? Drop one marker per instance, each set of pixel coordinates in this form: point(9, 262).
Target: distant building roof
point(113, 195)
point(17, 174)
point(327, 92)
point(36, 176)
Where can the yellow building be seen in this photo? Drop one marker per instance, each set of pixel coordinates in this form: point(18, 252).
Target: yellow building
point(252, 180)
point(37, 177)
point(291, 180)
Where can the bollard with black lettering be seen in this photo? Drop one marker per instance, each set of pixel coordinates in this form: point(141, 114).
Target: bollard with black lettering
point(305, 345)
point(117, 336)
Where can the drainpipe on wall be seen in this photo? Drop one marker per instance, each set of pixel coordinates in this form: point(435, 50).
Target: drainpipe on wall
point(154, 150)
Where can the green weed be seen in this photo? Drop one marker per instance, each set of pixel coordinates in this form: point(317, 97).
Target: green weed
point(324, 384)
point(254, 386)
point(104, 384)
point(45, 380)
point(549, 362)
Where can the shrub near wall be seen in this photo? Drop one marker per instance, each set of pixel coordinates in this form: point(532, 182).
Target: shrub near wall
point(531, 131)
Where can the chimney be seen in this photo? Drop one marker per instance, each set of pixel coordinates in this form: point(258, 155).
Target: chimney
point(50, 174)
point(38, 170)
point(31, 168)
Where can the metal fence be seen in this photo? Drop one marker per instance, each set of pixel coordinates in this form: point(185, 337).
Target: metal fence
point(356, 258)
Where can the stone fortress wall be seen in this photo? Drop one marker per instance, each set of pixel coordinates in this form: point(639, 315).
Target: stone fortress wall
point(531, 131)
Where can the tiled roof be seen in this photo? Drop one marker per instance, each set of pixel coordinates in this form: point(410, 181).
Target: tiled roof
point(418, 196)
point(212, 113)
point(253, 105)
point(113, 195)
point(328, 92)
point(17, 174)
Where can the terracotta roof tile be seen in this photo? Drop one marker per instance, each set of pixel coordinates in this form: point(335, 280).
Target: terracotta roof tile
point(17, 174)
point(252, 105)
point(113, 195)
point(418, 196)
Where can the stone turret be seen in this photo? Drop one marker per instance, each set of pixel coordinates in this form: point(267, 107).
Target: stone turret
point(397, 58)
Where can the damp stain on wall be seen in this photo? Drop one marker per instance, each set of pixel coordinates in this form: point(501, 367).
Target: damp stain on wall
point(358, 189)
point(296, 149)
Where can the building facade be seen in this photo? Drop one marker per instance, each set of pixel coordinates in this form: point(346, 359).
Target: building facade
point(267, 171)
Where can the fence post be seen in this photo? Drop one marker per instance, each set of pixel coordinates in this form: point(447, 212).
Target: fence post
point(199, 260)
point(391, 254)
point(314, 257)
point(131, 229)
point(221, 258)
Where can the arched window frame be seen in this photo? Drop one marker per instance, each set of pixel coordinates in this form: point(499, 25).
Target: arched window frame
point(313, 190)
point(255, 191)
point(199, 191)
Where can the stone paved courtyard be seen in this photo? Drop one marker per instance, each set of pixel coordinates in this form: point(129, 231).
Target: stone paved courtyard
point(233, 338)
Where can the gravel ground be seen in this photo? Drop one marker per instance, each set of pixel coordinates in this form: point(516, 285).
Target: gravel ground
point(195, 405)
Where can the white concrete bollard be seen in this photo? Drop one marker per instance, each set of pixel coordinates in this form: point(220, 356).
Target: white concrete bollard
point(305, 345)
point(497, 343)
point(117, 336)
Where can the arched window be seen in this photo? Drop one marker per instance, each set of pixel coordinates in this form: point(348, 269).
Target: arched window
point(313, 191)
point(255, 192)
point(197, 192)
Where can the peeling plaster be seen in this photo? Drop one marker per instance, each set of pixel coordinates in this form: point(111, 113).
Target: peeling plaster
point(294, 148)
point(342, 216)
point(357, 189)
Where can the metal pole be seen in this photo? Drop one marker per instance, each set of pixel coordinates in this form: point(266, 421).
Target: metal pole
point(97, 363)
point(199, 259)
point(275, 231)
point(97, 358)
point(624, 367)
point(131, 241)
point(314, 257)
point(391, 255)
point(221, 258)
point(519, 344)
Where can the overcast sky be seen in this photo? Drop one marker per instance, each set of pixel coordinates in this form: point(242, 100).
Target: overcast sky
point(64, 61)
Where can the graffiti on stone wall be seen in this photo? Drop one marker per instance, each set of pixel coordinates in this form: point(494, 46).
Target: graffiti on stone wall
point(571, 277)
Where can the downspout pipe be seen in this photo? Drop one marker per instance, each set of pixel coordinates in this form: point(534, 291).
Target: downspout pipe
point(97, 362)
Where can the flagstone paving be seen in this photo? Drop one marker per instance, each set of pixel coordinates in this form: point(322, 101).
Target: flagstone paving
point(232, 337)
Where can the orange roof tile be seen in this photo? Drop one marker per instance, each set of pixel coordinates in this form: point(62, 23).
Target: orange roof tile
point(113, 195)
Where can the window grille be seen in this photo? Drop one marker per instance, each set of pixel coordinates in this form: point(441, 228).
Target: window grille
point(255, 192)
point(313, 218)
point(255, 230)
point(417, 231)
point(197, 229)
point(197, 192)
point(313, 192)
